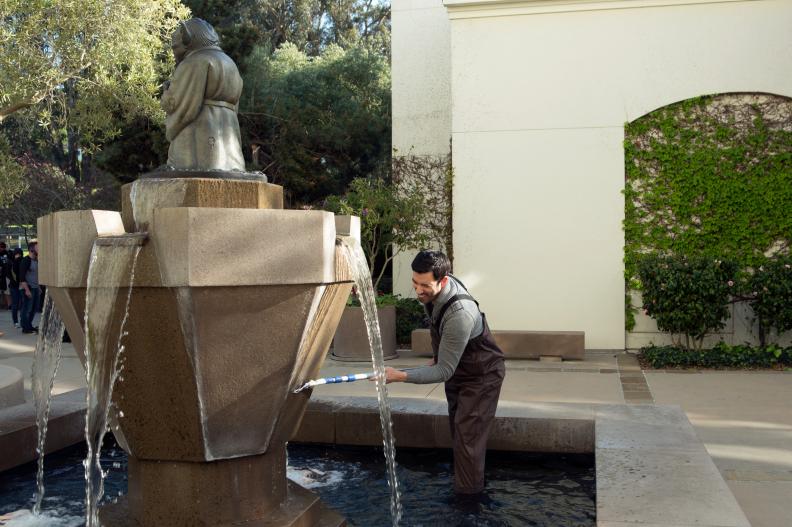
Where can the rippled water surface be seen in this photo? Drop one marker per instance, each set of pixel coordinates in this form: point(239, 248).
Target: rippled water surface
point(522, 489)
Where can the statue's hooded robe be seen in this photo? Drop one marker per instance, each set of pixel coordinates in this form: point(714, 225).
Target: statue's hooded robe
point(201, 106)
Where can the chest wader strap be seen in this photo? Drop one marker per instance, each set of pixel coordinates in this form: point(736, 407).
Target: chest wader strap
point(451, 301)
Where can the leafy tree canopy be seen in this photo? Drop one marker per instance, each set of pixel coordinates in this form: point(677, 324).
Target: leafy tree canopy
point(89, 61)
point(72, 75)
point(311, 25)
point(316, 123)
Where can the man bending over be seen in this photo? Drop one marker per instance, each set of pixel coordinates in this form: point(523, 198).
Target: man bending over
point(466, 359)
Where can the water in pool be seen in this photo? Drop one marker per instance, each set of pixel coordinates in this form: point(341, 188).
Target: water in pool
point(522, 489)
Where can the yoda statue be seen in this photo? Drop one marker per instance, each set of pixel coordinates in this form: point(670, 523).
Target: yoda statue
point(201, 101)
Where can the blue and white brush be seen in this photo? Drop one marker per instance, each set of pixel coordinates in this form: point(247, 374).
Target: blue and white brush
point(334, 380)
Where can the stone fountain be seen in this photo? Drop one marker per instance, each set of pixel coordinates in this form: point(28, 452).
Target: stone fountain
point(234, 304)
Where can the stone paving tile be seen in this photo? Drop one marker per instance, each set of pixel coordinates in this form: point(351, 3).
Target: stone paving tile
point(635, 390)
point(675, 482)
point(766, 503)
point(757, 475)
point(639, 401)
point(633, 381)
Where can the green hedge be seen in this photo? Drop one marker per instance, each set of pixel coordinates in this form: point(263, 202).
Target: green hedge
point(690, 296)
point(722, 355)
point(687, 296)
point(769, 291)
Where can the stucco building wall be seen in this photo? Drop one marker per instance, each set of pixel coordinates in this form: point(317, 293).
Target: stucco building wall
point(540, 91)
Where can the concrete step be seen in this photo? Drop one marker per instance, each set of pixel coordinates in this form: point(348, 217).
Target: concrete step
point(19, 433)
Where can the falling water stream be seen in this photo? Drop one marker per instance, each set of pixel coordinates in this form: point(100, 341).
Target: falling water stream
point(112, 261)
point(362, 276)
point(46, 359)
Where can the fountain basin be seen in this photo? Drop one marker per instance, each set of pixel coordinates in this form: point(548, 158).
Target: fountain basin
point(230, 310)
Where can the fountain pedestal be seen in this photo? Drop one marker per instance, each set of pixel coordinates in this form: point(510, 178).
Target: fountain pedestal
point(233, 307)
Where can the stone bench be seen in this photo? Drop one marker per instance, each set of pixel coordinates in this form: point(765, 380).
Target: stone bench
point(518, 344)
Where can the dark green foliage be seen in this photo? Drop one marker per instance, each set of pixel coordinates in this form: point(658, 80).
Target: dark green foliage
point(687, 296)
point(245, 24)
point(140, 148)
point(710, 176)
point(769, 291)
point(629, 313)
point(310, 25)
point(317, 123)
point(721, 356)
point(410, 315)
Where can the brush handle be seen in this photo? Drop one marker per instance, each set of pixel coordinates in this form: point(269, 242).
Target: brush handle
point(334, 380)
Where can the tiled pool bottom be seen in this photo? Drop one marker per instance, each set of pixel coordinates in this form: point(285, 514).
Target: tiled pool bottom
point(523, 489)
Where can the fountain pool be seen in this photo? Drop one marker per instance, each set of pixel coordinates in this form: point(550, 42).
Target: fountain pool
point(523, 489)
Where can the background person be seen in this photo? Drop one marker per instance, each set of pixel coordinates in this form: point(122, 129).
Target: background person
point(29, 287)
point(13, 285)
point(5, 270)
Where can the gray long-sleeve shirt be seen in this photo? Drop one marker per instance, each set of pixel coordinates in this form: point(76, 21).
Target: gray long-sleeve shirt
point(461, 322)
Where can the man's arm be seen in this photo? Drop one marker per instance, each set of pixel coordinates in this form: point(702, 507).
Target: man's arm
point(456, 333)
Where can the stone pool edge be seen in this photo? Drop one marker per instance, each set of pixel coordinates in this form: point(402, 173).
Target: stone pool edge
point(652, 470)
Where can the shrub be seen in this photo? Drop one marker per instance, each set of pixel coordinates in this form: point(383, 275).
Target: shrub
point(410, 315)
point(770, 297)
point(390, 221)
point(722, 355)
point(687, 296)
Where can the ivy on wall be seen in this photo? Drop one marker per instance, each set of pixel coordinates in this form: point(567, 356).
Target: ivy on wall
point(710, 176)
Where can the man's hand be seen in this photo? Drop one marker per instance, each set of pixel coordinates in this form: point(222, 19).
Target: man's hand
point(392, 375)
point(26, 289)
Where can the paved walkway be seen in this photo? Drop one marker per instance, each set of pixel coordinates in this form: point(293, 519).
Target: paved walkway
point(16, 349)
point(744, 418)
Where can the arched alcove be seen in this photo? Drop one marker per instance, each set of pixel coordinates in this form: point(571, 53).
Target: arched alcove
point(660, 101)
point(708, 176)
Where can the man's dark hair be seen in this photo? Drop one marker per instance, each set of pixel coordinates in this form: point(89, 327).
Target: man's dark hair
point(433, 261)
